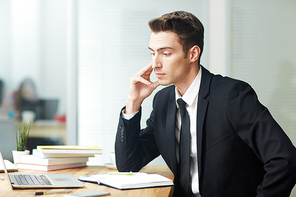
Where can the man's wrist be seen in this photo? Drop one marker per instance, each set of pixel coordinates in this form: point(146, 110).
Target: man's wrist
point(128, 116)
point(132, 107)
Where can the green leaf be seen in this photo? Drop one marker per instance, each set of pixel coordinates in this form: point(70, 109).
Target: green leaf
point(22, 135)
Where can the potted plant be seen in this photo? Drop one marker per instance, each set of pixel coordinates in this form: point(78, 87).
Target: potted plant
point(22, 135)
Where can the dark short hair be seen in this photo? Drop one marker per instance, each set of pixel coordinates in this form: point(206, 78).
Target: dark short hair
point(187, 26)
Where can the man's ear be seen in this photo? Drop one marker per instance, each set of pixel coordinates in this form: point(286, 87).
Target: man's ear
point(194, 53)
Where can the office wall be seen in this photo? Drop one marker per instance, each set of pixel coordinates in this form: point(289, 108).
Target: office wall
point(33, 44)
point(5, 43)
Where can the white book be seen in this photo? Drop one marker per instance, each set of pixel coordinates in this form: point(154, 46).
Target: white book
point(129, 180)
point(50, 167)
point(32, 159)
point(47, 155)
point(69, 149)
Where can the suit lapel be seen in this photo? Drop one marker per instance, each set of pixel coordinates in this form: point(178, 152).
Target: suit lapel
point(201, 111)
point(170, 133)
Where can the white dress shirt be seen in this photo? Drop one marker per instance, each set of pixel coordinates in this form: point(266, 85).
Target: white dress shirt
point(190, 97)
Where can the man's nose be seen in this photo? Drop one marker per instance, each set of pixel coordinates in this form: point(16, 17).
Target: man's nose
point(156, 63)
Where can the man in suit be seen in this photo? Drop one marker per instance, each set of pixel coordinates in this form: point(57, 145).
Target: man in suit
point(235, 147)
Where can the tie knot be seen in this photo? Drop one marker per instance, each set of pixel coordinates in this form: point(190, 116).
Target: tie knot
point(182, 104)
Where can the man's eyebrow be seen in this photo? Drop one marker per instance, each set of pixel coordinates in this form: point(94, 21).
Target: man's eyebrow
point(162, 48)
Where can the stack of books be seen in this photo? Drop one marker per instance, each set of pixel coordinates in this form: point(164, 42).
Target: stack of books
point(48, 158)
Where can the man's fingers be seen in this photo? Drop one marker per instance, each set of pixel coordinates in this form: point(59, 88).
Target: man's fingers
point(146, 70)
point(145, 81)
point(137, 79)
point(143, 75)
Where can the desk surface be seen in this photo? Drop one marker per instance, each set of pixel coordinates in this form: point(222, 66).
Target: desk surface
point(6, 190)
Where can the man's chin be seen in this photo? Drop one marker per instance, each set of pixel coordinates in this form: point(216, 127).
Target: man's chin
point(164, 83)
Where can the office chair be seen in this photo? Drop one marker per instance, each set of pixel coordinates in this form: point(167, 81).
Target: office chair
point(7, 138)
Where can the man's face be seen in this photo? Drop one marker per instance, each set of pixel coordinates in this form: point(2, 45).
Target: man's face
point(168, 59)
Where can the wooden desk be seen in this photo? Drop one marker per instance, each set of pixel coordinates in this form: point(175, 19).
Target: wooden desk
point(6, 190)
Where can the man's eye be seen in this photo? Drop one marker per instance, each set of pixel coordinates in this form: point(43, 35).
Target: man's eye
point(166, 54)
point(153, 54)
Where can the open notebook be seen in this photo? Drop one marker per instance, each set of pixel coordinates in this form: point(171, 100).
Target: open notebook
point(40, 180)
point(129, 180)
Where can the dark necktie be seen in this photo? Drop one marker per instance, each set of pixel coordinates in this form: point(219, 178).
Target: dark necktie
point(184, 148)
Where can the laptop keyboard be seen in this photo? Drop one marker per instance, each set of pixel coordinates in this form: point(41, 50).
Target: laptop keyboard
point(29, 179)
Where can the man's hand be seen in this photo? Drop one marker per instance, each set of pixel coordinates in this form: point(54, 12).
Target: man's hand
point(140, 88)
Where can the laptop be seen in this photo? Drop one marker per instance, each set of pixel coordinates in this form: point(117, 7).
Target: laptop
point(41, 180)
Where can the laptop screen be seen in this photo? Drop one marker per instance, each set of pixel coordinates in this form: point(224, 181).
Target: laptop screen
point(4, 167)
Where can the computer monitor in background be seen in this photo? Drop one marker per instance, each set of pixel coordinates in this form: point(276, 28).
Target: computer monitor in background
point(45, 109)
point(48, 108)
point(29, 105)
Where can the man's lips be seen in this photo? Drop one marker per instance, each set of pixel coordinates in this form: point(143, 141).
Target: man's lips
point(159, 75)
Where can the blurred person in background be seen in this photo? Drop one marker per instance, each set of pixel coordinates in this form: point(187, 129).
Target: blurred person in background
point(11, 106)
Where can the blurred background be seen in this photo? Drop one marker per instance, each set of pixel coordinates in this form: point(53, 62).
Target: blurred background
point(81, 54)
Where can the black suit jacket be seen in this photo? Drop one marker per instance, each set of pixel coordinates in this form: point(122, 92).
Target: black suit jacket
point(242, 151)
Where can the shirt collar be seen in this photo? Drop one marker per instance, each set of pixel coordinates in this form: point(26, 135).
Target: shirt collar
point(192, 92)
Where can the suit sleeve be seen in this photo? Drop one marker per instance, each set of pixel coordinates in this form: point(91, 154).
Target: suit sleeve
point(255, 125)
point(134, 148)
